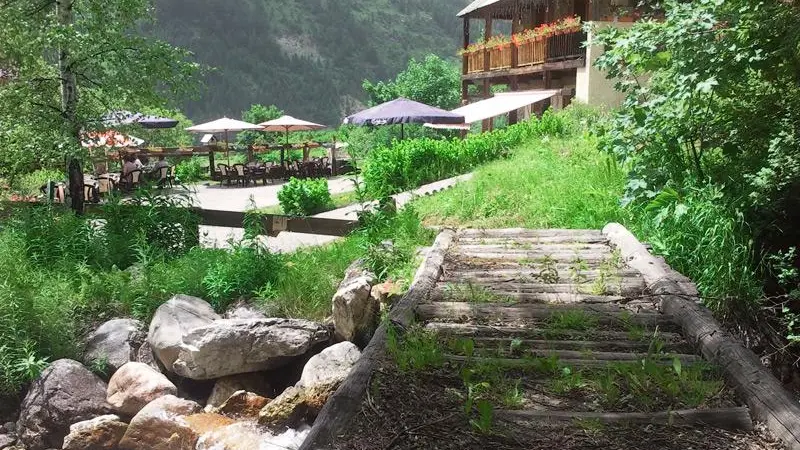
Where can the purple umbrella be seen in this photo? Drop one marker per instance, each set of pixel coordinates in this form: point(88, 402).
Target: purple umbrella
point(403, 111)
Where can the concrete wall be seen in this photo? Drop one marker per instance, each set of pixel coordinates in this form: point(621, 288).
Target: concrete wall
point(591, 85)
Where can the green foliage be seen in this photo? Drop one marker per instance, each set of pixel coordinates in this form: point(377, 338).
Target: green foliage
point(577, 320)
point(38, 130)
point(170, 137)
point(713, 132)
point(192, 170)
point(239, 273)
point(411, 163)
point(29, 183)
point(305, 197)
point(259, 114)
point(433, 81)
point(414, 350)
point(307, 57)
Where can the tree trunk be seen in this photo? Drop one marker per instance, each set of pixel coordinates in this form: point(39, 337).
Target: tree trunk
point(69, 107)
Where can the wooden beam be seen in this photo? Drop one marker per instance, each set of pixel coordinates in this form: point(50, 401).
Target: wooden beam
point(768, 400)
point(274, 224)
point(345, 403)
point(509, 332)
point(577, 363)
point(465, 45)
point(734, 419)
point(528, 70)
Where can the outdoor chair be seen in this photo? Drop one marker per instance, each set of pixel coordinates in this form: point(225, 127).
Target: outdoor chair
point(171, 178)
point(90, 194)
point(224, 173)
point(242, 174)
point(131, 181)
point(105, 184)
point(163, 176)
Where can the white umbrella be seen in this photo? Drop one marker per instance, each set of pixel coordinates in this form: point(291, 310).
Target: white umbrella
point(224, 125)
point(285, 124)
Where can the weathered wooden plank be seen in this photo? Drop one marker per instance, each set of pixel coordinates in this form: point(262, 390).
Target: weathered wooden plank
point(590, 258)
point(577, 363)
point(274, 224)
point(506, 332)
point(346, 401)
point(593, 238)
point(524, 232)
point(461, 310)
point(769, 402)
point(564, 298)
point(599, 287)
point(530, 247)
point(734, 419)
point(577, 345)
point(565, 275)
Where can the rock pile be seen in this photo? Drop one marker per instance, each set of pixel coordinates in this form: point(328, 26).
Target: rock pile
point(224, 362)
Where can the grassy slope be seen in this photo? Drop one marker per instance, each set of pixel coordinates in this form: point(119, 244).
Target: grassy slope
point(545, 184)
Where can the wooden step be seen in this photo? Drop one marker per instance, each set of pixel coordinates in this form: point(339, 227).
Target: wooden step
point(538, 248)
point(577, 345)
point(524, 232)
point(576, 363)
point(462, 310)
point(438, 295)
point(461, 263)
point(510, 332)
point(734, 419)
point(563, 239)
point(605, 287)
point(566, 274)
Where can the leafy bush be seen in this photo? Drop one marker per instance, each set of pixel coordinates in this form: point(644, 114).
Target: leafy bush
point(411, 163)
point(30, 183)
point(305, 197)
point(191, 170)
point(240, 272)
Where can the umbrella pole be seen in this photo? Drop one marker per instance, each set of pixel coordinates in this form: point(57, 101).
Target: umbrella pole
point(402, 131)
point(227, 150)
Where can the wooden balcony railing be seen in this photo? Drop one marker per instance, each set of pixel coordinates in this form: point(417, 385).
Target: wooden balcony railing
point(531, 52)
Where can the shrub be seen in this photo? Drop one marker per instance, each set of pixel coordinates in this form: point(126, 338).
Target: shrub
point(191, 170)
point(411, 163)
point(305, 197)
point(30, 183)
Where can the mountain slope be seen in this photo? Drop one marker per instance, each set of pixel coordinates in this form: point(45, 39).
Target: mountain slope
point(308, 57)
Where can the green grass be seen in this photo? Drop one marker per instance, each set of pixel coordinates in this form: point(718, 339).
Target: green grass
point(557, 183)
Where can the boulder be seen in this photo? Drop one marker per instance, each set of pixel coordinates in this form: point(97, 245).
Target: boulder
point(114, 342)
point(162, 425)
point(355, 312)
point(100, 433)
point(145, 355)
point(235, 346)
point(7, 440)
point(288, 410)
point(243, 405)
point(135, 385)
point(357, 269)
point(243, 310)
point(249, 436)
point(227, 386)
point(331, 366)
point(172, 321)
point(385, 294)
point(203, 423)
point(10, 427)
point(295, 406)
point(65, 393)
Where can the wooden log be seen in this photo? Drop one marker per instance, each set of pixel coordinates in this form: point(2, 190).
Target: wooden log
point(346, 401)
point(733, 419)
point(593, 238)
point(564, 276)
point(769, 402)
point(576, 363)
point(530, 247)
point(555, 298)
point(606, 287)
point(594, 257)
point(506, 332)
point(459, 310)
point(577, 345)
point(524, 232)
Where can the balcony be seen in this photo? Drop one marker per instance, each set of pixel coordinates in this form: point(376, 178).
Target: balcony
point(549, 47)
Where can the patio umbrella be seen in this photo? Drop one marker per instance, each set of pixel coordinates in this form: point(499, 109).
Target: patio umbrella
point(402, 111)
point(287, 124)
point(224, 125)
point(117, 118)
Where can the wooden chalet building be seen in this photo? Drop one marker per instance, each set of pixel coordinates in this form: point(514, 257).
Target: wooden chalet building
point(536, 48)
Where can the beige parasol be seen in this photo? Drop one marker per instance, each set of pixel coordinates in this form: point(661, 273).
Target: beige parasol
point(224, 125)
point(286, 124)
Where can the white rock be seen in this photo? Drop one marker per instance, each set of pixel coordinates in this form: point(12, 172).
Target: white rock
point(100, 433)
point(114, 342)
point(354, 310)
point(172, 321)
point(135, 385)
point(235, 346)
point(331, 366)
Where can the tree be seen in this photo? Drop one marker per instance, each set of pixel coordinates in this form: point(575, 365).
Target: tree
point(433, 81)
point(258, 114)
point(75, 60)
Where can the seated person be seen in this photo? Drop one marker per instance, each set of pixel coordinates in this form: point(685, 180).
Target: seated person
point(155, 173)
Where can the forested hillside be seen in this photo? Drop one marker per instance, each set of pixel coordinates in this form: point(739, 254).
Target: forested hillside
point(309, 57)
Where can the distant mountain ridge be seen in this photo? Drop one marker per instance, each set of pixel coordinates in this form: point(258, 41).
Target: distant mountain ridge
point(308, 57)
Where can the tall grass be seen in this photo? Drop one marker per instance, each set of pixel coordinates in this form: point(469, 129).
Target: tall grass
point(547, 183)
